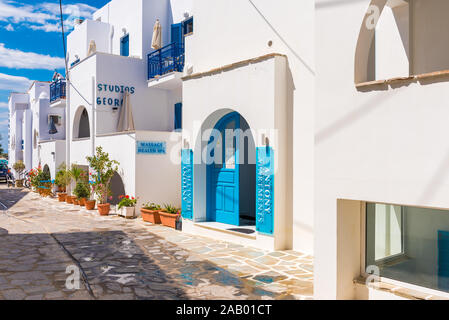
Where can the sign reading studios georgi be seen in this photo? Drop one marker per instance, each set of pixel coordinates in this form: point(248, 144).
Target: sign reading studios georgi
point(104, 92)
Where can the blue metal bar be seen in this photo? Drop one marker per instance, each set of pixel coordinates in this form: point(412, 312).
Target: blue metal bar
point(166, 60)
point(57, 90)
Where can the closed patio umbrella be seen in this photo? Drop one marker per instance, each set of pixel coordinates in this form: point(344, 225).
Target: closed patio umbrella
point(126, 119)
point(156, 43)
point(92, 48)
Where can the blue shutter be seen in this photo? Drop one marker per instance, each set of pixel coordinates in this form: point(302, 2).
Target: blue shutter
point(176, 33)
point(187, 183)
point(265, 190)
point(124, 46)
point(178, 116)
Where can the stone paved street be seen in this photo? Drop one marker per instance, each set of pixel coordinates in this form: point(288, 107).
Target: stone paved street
point(130, 259)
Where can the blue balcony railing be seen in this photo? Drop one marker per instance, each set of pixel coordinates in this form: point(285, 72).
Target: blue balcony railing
point(165, 60)
point(57, 90)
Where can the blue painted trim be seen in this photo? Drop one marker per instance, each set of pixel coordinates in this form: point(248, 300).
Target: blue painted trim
point(187, 183)
point(265, 190)
point(178, 116)
point(124, 46)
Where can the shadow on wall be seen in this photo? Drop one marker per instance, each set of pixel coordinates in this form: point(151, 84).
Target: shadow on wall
point(117, 189)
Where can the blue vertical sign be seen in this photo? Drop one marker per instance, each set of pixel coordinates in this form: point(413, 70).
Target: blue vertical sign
point(187, 184)
point(265, 190)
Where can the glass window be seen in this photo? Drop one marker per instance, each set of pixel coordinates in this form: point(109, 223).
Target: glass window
point(409, 244)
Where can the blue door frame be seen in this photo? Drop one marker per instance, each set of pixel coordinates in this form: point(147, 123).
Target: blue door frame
point(223, 174)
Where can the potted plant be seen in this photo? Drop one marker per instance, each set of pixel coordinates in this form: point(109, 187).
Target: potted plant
point(150, 213)
point(43, 182)
point(81, 192)
point(127, 206)
point(19, 167)
point(169, 216)
point(104, 169)
point(62, 180)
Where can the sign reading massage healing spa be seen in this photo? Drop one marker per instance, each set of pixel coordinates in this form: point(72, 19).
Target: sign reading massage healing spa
point(108, 89)
point(151, 147)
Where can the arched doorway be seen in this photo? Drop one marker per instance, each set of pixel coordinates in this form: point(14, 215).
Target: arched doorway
point(231, 172)
point(117, 188)
point(47, 172)
point(81, 124)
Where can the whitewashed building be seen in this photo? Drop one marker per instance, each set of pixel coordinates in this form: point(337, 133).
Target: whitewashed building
point(381, 183)
point(341, 110)
point(37, 133)
point(108, 57)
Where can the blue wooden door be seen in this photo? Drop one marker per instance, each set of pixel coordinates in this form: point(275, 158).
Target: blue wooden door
point(223, 172)
point(443, 260)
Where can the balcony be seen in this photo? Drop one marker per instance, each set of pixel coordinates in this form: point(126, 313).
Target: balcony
point(57, 93)
point(165, 66)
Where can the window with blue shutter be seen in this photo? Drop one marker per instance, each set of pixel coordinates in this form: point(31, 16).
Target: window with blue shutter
point(124, 46)
point(178, 116)
point(187, 26)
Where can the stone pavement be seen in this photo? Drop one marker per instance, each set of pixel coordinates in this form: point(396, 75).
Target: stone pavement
point(130, 259)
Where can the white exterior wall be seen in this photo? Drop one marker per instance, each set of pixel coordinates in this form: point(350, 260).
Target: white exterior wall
point(18, 102)
point(219, 41)
point(78, 41)
point(28, 142)
point(380, 145)
point(52, 153)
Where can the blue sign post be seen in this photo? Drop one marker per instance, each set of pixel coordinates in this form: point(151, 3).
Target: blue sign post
point(187, 184)
point(265, 190)
point(151, 147)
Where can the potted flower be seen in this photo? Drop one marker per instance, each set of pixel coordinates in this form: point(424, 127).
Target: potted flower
point(104, 169)
point(19, 167)
point(62, 180)
point(43, 182)
point(127, 206)
point(169, 216)
point(81, 192)
point(150, 213)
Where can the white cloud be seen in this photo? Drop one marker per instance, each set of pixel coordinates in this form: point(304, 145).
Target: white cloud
point(4, 105)
point(14, 83)
point(12, 58)
point(9, 27)
point(45, 16)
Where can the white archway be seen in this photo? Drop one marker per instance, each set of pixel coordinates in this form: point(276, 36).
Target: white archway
point(81, 124)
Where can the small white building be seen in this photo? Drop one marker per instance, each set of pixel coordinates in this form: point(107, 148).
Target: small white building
point(108, 58)
point(37, 133)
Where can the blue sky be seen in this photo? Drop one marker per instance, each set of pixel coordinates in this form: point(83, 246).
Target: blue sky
point(31, 45)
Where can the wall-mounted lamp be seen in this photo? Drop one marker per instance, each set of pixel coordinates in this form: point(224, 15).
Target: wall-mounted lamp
point(265, 140)
point(186, 144)
point(124, 30)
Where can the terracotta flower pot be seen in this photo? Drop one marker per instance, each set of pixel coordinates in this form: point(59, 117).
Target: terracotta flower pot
point(75, 201)
point(69, 199)
point(104, 208)
point(82, 202)
point(90, 204)
point(151, 216)
point(168, 219)
point(19, 183)
point(61, 196)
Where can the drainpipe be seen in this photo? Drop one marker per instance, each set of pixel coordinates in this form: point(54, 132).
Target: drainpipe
point(111, 36)
point(94, 111)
